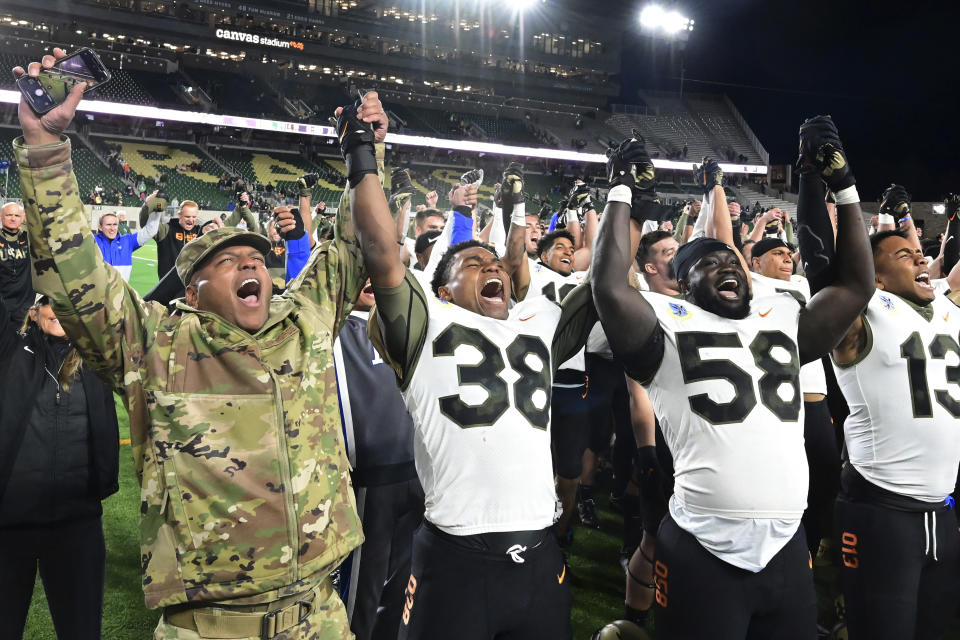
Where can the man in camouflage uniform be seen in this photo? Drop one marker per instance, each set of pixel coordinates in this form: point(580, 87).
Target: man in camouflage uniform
point(246, 501)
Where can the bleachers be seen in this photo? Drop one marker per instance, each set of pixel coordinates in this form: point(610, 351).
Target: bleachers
point(158, 86)
point(122, 88)
point(705, 125)
point(282, 171)
point(235, 93)
point(152, 159)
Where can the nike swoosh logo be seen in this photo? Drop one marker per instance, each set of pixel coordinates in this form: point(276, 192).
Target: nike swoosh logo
point(562, 575)
point(764, 314)
point(527, 318)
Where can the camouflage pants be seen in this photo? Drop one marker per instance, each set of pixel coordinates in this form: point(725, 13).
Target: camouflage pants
point(326, 621)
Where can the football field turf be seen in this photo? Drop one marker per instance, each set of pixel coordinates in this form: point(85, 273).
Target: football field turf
point(598, 581)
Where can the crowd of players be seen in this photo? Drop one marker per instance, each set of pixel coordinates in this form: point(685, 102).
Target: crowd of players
point(447, 385)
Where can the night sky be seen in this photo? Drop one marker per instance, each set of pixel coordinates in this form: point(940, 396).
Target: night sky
point(889, 78)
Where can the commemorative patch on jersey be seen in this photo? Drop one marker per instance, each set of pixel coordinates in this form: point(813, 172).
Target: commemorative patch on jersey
point(887, 303)
point(679, 311)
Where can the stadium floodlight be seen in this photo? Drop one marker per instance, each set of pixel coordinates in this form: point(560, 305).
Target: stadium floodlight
point(523, 5)
point(10, 96)
point(656, 19)
point(939, 209)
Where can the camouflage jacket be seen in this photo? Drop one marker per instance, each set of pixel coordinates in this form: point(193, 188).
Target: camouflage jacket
point(245, 486)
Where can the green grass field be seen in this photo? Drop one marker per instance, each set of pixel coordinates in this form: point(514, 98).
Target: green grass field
point(598, 581)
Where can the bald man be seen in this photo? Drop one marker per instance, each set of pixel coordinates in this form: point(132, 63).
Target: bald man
point(16, 288)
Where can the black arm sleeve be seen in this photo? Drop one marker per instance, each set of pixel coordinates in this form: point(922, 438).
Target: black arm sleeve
point(577, 318)
point(815, 234)
point(167, 290)
point(646, 359)
point(399, 327)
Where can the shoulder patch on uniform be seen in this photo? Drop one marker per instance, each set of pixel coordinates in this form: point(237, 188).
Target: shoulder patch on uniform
point(679, 310)
point(887, 302)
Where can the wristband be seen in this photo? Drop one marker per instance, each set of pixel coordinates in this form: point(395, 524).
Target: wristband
point(519, 214)
point(850, 196)
point(883, 218)
point(905, 219)
point(620, 193)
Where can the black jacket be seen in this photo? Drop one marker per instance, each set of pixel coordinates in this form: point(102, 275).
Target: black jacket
point(24, 422)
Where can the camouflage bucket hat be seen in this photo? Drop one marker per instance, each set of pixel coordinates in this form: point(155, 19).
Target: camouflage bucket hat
point(194, 252)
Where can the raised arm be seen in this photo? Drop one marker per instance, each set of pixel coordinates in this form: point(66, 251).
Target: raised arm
point(242, 212)
point(617, 303)
point(150, 229)
point(102, 315)
point(154, 205)
point(895, 209)
point(581, 257)
point(719, 225)
point(359, 128)
point(831, 313)
point(515, 261)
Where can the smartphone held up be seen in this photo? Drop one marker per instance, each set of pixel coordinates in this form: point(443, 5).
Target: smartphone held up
point(52, 86)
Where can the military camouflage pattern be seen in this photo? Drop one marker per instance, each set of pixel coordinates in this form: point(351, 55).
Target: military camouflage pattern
point(196, 250)
point(327, 621)
point(237, 443)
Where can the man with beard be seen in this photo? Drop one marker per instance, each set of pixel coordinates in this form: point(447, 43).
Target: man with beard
point(723, 375)
point(476, 378)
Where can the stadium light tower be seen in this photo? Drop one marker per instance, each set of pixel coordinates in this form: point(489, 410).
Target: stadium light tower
point(670, 25)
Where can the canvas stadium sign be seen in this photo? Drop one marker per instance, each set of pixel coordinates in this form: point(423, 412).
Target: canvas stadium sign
point(252, 38)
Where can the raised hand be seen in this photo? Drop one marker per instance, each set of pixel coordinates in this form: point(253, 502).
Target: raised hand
point(895, 201)
point(821, 152)
point(511, 187)
point(48, 128)
point(359, 126)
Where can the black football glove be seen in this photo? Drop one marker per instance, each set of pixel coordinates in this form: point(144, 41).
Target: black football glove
point(298, 231)
point(546, 212)
point(630, 164)
point(401, 189)
point(709, 174)
point(474, 176)
point(306, 183)
point(511, 186)
point(895, 201)
point(580, 199)
point(951, 205)
point(400, 182)
point(821, 153)
point(356, 144)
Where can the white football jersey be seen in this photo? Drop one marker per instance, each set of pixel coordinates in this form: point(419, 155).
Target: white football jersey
point(546, 282)
point(903, 432)
point(727, 395)
point(480, 401)
point(813, 379)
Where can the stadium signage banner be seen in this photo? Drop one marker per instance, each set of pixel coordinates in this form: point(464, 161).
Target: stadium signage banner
point(252, 38)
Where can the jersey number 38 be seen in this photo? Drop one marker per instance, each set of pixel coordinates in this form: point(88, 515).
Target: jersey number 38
point(487, 375)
